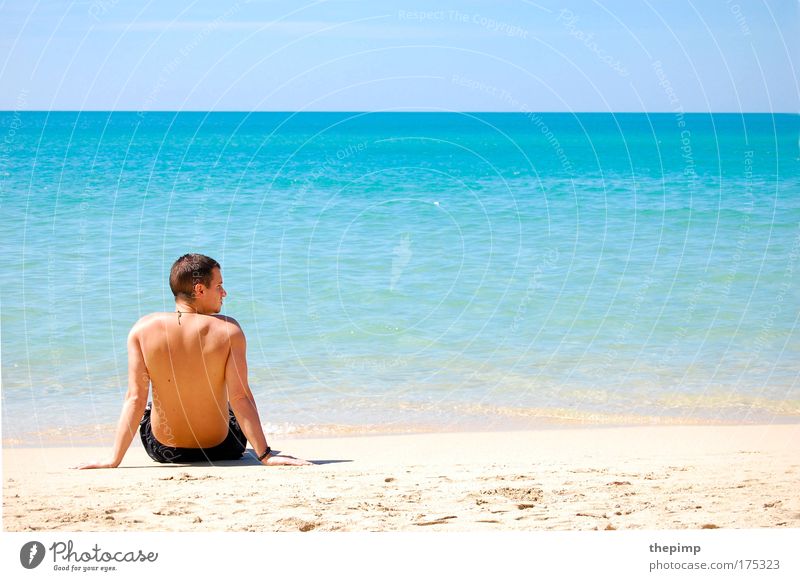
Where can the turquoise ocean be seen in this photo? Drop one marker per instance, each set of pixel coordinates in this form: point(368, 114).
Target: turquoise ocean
point(397, 272)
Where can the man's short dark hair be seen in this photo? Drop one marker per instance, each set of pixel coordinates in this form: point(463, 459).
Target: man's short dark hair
point(187, 271)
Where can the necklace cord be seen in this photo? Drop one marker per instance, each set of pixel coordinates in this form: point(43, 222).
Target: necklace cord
point(181, 313)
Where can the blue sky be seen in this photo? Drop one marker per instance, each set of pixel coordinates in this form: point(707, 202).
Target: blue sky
point(714, 55)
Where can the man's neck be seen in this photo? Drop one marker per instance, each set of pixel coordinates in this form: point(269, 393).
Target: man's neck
point(184, 307)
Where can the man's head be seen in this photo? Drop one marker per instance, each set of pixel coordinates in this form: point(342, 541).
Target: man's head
point(196, 279)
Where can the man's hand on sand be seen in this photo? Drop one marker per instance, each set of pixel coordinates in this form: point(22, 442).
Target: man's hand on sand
point(281, 460)
point(91, 465)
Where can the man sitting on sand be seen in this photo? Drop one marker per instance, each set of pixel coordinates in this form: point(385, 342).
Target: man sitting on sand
point(196, 361)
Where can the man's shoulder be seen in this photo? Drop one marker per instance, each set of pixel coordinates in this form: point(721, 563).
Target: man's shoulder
point(147, 322)
point(224, 323)
point(229, 322)
point(140, 327)
point(148, 319)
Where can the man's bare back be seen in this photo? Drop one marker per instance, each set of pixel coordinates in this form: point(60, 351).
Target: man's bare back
point(186, 366)
point(196, 362)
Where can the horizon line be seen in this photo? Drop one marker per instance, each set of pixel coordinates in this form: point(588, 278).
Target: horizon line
point(142, 112)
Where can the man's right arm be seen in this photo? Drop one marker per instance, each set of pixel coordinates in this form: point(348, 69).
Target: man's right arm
point(242, 401)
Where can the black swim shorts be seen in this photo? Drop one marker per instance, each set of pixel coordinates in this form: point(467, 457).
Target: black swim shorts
point(231, 448)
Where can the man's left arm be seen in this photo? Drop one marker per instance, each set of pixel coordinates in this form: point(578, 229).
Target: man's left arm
point(132, 409)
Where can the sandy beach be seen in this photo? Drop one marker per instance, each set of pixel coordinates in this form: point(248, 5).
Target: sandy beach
point(670, 477)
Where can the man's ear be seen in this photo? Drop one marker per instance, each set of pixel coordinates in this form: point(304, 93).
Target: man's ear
point(199, 289)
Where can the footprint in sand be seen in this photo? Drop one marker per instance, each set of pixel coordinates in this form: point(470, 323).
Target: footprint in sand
point(169, 512)
point(524, 497)
point(185, 476)
point(298, 524)
point(439, 521)
point(504, 477)
point(528, 495)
